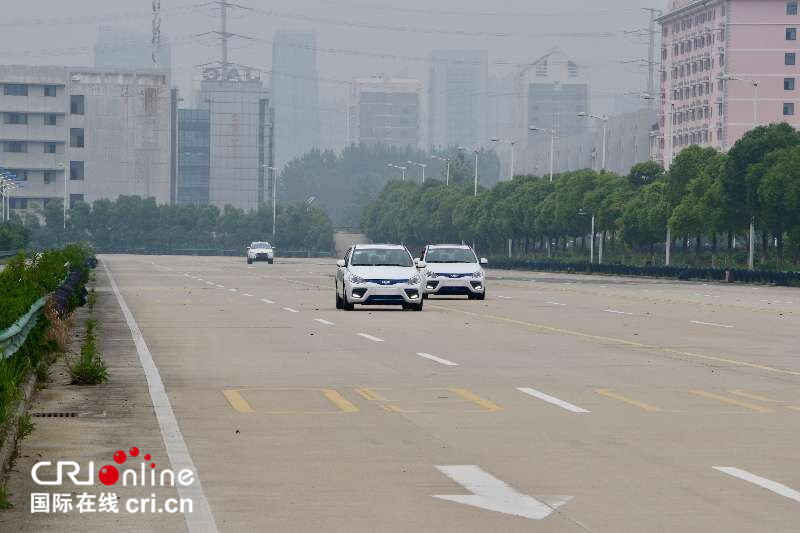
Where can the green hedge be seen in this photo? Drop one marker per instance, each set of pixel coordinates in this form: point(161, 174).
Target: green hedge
point(23, 281)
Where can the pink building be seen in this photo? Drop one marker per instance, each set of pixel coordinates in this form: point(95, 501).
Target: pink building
point(726, 65)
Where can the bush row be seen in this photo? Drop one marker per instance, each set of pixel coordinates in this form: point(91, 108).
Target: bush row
point(681, 273)
point(23, 281)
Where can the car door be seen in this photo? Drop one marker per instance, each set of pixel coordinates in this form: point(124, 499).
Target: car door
point(340, 271)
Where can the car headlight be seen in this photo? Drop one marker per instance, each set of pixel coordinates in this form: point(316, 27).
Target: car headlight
point(357, 279)
point(414, 280)
point(431, 274)
point(478, 274)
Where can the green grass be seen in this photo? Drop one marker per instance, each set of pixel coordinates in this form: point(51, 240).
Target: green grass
point(91, 300)
point(4, 503)
point(89, 368)
point(26, 427)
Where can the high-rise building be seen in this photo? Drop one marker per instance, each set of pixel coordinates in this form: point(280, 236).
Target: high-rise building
point(295, 94)
point(727, 65)
point(119, 48)
point(194, 156)
point(385, 111)
point(241, 133)
point(105, 132)
point(457, 92)
point(557, 90)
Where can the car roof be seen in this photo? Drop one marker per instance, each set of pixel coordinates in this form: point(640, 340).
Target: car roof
point(379, 247)
point(459, 246)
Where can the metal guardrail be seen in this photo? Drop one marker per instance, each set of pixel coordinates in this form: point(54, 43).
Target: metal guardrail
point(13, 337)
point(7, 254)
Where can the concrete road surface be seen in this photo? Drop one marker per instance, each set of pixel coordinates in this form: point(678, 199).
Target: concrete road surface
point(561, 403)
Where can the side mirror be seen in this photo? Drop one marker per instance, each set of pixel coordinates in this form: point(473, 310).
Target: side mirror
point(340, 263)
point(248, 247)
point(421, 264)
point(484, 261)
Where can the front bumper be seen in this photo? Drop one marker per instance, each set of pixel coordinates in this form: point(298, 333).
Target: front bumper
point(371, 294)
point(442, 285)
point(261, 257)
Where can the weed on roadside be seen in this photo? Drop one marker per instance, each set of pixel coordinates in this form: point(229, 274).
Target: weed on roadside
point(26, 427)
point(89, 368)
point(4, 503)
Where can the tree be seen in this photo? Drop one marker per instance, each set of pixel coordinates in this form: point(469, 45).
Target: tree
point(779, 194)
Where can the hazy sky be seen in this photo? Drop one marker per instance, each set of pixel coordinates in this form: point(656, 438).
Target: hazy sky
point(63, 32)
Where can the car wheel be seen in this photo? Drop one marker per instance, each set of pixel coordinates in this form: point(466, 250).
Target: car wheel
point(347, 306)
point(417, 307)
point(339, 303)
point(479, 296)
point(249, 261)
point(425, 296)
point(270, 261)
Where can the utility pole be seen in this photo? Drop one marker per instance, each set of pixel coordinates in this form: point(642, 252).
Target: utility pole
point(156, 31)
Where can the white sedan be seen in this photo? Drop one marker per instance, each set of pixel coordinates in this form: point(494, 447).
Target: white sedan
point(260, 251)
point(454, 269)
point(379, 274)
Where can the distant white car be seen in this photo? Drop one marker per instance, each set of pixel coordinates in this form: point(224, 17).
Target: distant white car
point(260, 251)
point(379, 274)
point(454, 269)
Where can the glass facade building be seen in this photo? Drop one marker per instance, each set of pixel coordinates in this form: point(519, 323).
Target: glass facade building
point(194, 156)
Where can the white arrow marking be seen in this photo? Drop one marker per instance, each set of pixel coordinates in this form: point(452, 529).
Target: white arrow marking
point(774, 486)
point(492, 494)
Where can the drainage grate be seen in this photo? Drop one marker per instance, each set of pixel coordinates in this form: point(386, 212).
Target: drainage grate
point(55, 415)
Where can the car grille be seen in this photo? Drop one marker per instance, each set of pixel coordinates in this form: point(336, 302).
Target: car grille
point(387, 282)
point(454, 276)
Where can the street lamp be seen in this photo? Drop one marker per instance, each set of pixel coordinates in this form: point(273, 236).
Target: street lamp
point(446, 160)
point(274, 180)
point(591, 245)
point(7, 183)
point(512, 144)
point(731, 77)
point(420, 165)
point(604, 120)
point(398, 167)
point(552, 134)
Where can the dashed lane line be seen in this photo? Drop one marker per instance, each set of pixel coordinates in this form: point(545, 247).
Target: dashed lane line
point(323, 321)
point(437, 359)
point(773, 486)
point(369, 337)
point(552, 400)
point(290, 310)
point(622, 342)
point(712, 324)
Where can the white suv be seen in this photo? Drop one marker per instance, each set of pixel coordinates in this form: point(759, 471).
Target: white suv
point(453, 269)
point(379, 274)
point(260, 251)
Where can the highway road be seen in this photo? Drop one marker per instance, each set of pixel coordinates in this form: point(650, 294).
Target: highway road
point(561, 403)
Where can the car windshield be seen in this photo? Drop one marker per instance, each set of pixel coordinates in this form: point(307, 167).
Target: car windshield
point(260, 245)
point(381, 257)
point(450, 255)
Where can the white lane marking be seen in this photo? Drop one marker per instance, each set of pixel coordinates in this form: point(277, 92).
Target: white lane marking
point(323, 321)
point(187, 275)
point(774, 486)
point(493, 494)
point(709, 324)
point(201, 519)
point(267, 301)
point(505, 297)
point(616, 312)
point(209, 282)
point(553, 400)
point(290, 310)
point(231, 290)
point(248, 294)
point(369, 337)
point(200, 279)
point(556, 303)
point(437, 359)
point(221, 286)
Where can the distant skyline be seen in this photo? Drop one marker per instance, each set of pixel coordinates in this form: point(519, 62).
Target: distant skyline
point(354, 37)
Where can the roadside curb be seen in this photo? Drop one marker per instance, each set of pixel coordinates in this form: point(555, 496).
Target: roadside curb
point(9, 446)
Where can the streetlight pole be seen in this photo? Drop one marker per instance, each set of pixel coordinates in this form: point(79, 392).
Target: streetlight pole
point(274, 179)
point(399, 168)
point(552, 134)
point(513, 144)
point(446, 160)
point(421, 165)
point(604, 120)
point(752, 248)
point(476, 173)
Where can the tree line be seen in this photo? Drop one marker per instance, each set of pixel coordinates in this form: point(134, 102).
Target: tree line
point(344, 183)
point(132, 222)
point(707, 199)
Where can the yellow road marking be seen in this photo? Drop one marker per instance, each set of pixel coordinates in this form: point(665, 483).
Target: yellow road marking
point(623, 342)
point(373, 396)
point(636, 403)
point(337, 399)
point(751, 396)
point(236, 400)
point(731, 401)
point(477, 400)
